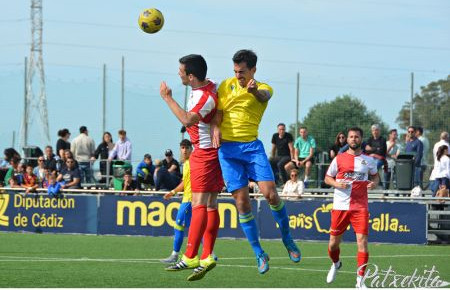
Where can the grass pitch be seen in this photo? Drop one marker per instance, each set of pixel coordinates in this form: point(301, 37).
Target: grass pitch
point(62, 261)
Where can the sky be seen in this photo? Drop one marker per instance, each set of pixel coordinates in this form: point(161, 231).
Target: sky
point(364, 48)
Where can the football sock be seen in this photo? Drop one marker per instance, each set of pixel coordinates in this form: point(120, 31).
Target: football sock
point(198, 225)
point(210, 235)
point(248, 225)
point(178, 237)
point(280, 215)
point(334, 255)
point(362, 259)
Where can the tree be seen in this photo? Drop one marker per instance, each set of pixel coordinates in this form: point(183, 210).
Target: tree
point(431, 109)
point(325, 120)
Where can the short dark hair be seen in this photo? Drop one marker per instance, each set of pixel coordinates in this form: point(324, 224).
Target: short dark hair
point(195, 64)
point(83, 129)
point(63, 132)
point(356, 129)
point(247, 56)
point(281, 124)
point(414, 128)
point(147, 156)
point(122, 132)
point(185, 143)
point(302, 127)
point(392, 130)
point(420, 129)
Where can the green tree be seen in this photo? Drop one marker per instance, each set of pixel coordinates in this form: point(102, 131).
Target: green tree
point(324, 120)
point(431, 109)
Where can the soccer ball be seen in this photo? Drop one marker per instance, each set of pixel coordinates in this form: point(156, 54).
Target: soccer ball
point(151, 20)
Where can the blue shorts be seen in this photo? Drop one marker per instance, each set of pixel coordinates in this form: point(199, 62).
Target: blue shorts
point(184, 214)
point(243, 161)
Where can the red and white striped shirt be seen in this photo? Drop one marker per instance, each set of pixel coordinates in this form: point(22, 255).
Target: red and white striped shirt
point(203, 101)
point(354, 170)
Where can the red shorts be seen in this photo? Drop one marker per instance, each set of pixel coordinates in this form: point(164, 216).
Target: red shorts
point(340, 219)
point(206, 175)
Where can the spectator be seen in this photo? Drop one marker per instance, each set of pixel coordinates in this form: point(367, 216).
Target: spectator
point(70, 175)
point(9, 154)
point(14, 175)
point(40, 169)
point(30, 181)
point(53, 186)
point(339, 142)
point(129, 184)
point(62, 162)
point(167, 173)
point(51, 159)
point(293, 187)
point(426, 149)
point(443, 168)
point(62, 143)
point(103, 150)
point(83, 148)
point(443, 141)
point(282, 152)
point(253, 187)
point(376, 146)
point(393, 150)
point(304, 153)
point(144, 172)
point(122, 149)
point(415, 146)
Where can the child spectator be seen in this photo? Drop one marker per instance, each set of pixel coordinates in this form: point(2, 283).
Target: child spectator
point(30, 181)
point(14, 177)
point(129, 184)
point(54, 187)
point(145, 171)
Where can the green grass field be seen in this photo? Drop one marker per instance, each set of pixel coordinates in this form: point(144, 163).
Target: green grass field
point(50, 260)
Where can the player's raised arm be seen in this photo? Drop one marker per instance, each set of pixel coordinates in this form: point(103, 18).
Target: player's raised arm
point(186, 118)
point(260, 95)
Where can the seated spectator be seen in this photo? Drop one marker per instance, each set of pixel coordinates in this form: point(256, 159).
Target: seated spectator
point(30, 181)
point(54, 187)
point(70, 175)
point(5, 164)
point(144, 173)
point(305, 145)
point(50, 159)
point(253, 186)
point(45, 181)
point(40, 169)
point(293, 187)
point(339, 142)
point(442, 174)
point(129, 184)
point(14, 175)
point(167, 172)
point(62, 162)
point(282, 153)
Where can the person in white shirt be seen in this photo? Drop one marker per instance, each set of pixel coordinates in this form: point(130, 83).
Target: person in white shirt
point(83, 148)
point(434, 185)
point(443, 167)
point(293, 187)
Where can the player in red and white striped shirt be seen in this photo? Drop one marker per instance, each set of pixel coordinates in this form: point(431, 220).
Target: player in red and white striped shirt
point(351, 174)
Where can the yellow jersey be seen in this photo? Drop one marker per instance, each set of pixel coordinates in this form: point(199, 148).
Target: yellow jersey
point(242, 112)
point(187, 191)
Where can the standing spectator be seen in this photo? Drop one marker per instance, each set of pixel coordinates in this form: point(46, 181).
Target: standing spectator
point(83, 148)
point(393, 150)
point(376, 146)
point(62, 143)
point(144, 172)
point(167, 173)
point(30, 181)
point(282, 152)
point(415, 146)
point(51, 159)
point(122, 149)
point(426, 149)
point(70, 175)
point(103, 150)
point(443, 168)
point(305, 146)
point(443, 141)
point(293, 187)
point(339, 142)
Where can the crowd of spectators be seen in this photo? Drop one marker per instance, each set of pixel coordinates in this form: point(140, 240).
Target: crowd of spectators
point(71, 166)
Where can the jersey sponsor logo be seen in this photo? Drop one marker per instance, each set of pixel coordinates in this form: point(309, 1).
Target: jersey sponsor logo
point(355, 176)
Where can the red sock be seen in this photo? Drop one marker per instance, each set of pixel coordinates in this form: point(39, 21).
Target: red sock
point(196, 230)
point(362, 259)
point(334, 255)
point(212, 228)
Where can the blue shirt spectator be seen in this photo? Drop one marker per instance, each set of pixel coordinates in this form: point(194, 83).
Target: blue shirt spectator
point(415, 146)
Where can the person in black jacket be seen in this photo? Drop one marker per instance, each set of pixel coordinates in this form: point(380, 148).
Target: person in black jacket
point(102, 151)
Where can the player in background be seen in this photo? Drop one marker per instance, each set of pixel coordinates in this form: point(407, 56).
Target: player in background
point(185, 211)
point(206, 176)
point(351, 174)
point(242, 102)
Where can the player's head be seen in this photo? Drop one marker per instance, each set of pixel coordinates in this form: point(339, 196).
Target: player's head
point(354, 137)
point(192, 66)
point(185, 149)
point(244, 66)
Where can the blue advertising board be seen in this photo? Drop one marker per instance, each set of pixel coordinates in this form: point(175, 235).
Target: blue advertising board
point(42, 213)
point(388, 223)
